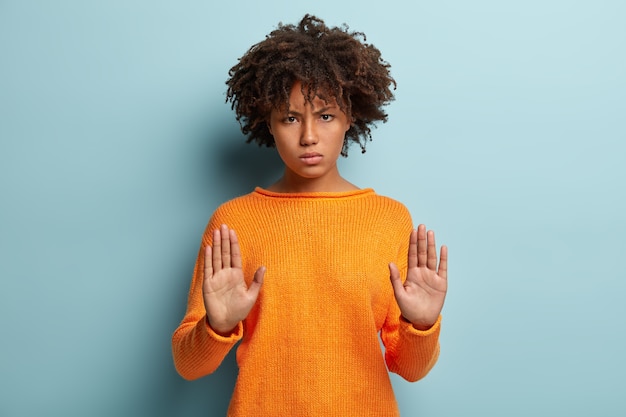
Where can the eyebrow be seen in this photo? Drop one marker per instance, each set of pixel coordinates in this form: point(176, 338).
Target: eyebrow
point(320, 111)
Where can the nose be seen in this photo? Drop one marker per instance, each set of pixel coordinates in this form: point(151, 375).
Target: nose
point(308, 136)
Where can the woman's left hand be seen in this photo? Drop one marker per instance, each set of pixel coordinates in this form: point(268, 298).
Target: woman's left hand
point(421, 296)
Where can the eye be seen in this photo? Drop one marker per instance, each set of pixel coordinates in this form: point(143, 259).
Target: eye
point(290, 119)
point(327, 117)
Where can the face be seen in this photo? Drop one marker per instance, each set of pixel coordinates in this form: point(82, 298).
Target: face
point(309, 138)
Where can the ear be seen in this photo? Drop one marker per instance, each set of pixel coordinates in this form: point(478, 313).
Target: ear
point(349, 123)
point(269, 126)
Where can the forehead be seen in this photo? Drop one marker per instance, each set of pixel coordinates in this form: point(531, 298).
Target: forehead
point(302, 95)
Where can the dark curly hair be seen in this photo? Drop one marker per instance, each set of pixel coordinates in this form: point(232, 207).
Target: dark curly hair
point(332, 63)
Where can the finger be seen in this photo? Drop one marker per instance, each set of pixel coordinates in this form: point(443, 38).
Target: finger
point(235, 252)
point(421, 245)
point(217, 250)
point(255, 285)
point(396, 281)
point(225, 232)
point(431, 262)
point(443, 263)
point(208, 265)
point(412, 259)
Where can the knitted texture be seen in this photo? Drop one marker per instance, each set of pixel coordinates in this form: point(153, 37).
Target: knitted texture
point(310, 346)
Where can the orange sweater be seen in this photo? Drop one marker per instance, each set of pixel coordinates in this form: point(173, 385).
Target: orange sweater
point(310, 345)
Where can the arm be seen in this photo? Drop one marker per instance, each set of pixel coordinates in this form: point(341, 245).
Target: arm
point(409, 352)
point(219, 300)
point(411, 333)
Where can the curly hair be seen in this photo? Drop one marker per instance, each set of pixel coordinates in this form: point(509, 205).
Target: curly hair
point(331, 63)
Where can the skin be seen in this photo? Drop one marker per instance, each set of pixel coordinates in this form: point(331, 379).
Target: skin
point(227, 298)
point(315, 129)
point(309, 138)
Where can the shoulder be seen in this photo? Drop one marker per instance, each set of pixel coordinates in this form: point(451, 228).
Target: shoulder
point(392, 211)
point(389, 203)
point(236, 204)
point(242, 207)
point(233, 212)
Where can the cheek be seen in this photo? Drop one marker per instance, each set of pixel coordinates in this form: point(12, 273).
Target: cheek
point(284, 148)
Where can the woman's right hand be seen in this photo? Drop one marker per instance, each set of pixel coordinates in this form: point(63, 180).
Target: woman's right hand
point(227, 298)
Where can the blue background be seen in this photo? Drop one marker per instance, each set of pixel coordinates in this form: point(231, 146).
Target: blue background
point(507, 138)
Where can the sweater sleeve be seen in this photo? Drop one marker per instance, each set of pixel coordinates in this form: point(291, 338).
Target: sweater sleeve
point(409, 352)
point(196, 348)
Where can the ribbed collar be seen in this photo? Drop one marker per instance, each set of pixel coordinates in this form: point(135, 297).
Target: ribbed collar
point(321, 194)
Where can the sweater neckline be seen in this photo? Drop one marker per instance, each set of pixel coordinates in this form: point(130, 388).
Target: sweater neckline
point(319, 194)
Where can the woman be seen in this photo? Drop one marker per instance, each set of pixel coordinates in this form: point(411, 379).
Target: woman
point(308, 272)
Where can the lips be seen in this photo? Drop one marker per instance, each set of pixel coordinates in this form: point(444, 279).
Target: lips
point(311, 158)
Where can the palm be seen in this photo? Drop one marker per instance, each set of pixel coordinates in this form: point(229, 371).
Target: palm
point(227, 298)
point(422, 294)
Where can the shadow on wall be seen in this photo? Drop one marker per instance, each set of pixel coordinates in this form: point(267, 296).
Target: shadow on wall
point(234, 167)
point(228, 167)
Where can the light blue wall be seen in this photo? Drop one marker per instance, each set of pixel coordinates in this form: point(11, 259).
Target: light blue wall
point(507, 137)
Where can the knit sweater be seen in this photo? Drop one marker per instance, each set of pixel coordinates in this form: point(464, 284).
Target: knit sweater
point(310, 346)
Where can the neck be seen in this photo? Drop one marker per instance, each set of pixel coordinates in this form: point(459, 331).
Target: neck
point(295, 184)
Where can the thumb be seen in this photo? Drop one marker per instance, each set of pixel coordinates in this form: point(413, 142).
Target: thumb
point(394, 276)
point(257, 281)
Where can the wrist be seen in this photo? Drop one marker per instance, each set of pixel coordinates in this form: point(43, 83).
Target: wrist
point(422, 328)
point(224, 330)
point(417, 325)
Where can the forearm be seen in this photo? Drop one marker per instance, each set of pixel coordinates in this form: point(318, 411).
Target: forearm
point(198, 350)
point(411, 353)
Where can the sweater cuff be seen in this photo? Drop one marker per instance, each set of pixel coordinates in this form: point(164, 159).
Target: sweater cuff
point(235, 335)
point(408, 327)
